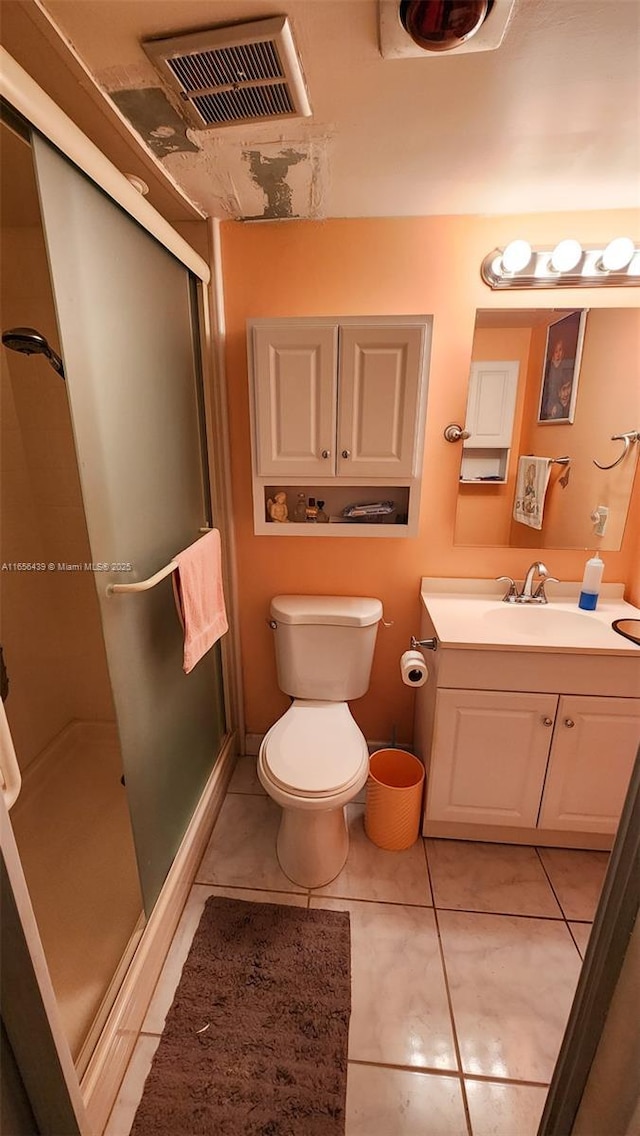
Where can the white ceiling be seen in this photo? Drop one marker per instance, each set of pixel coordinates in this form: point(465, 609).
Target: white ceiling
point(548, 121)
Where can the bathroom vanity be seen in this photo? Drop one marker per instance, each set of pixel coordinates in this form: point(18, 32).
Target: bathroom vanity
point(529, 723)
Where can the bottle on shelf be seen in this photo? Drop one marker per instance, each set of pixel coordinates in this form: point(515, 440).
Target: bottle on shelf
point(322, 517)
point(312, 510)
point(300, 509)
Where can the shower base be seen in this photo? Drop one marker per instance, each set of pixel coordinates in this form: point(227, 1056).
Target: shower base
point(72, 827)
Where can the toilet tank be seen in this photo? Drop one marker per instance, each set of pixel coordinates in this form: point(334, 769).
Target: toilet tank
point(324, 645)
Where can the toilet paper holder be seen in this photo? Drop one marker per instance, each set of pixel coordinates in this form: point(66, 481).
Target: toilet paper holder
point(429, 644)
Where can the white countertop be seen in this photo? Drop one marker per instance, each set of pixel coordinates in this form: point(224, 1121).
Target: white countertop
point(470, 614)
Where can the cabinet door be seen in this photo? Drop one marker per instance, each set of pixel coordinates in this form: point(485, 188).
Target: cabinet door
point(595, 745)
point(295, 388)
point(489, 756)
point(490, 405)
point(380, 385)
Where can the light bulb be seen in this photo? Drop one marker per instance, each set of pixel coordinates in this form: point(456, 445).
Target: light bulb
point(516, 256)
point(566, 255)
point(618, 254)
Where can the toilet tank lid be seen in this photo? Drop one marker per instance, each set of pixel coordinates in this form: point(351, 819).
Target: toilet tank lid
point(339, 611)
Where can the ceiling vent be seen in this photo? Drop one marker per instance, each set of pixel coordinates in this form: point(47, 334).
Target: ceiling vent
point(396, 41)
point(236, 74)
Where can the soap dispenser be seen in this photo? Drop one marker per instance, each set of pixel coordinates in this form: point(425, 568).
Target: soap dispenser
point(590, 587)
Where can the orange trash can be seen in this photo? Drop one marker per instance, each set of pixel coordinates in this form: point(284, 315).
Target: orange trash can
point(394, 799)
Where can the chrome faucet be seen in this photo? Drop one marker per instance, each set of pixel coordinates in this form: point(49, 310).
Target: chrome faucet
point(527, 594)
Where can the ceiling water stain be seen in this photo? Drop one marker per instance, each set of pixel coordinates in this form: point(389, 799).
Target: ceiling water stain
point(153, 117)
point(270, 174)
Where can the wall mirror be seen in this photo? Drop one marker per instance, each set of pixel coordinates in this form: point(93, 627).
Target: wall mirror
point(530, 397)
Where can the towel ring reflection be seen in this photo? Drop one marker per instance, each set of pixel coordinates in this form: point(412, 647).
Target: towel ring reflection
point(631, 436)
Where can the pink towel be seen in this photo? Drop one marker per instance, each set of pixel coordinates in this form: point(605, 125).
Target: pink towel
point(197, 587)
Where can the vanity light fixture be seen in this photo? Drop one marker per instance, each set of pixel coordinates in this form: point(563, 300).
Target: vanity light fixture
point(516, 256)
point(617, 255)
point(568, 265)
point(566, 255)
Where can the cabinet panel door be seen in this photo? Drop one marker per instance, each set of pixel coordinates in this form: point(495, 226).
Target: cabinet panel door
point(380, 382)
point(295, 371)
point(490, 404)
point(489, 756)
point(590, 763)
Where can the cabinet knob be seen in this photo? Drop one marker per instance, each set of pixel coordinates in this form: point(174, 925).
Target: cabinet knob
point(547, 721)
point(326, 453)
point(569, 723)
point(346, 453)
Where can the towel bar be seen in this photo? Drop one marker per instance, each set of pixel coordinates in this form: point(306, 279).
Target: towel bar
point(554, 461)
point(145, 585)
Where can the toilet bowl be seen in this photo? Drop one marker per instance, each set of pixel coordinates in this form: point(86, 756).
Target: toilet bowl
point(312, 762)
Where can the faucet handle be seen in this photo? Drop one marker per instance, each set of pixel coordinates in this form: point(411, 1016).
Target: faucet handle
point(540, 593)
point(511, 593)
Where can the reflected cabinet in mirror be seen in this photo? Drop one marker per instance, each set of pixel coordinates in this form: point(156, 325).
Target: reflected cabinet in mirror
point(548, 390)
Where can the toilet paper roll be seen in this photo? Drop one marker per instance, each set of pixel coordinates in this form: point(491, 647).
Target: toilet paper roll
point(413, 668)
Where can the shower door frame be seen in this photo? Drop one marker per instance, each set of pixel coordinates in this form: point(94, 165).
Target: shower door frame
point(90, 1100)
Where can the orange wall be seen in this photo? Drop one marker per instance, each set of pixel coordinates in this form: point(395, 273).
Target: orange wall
point(384, 267)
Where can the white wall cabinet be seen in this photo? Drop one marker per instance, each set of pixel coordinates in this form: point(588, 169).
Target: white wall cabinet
point(295, 385)
point(338, 403)
point(491, 405)
point(524, 760)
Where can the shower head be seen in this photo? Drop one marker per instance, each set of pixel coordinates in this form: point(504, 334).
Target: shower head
point(30, 342)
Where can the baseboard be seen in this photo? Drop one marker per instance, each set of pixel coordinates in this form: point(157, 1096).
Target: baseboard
point(101, 1082)
point(373, 746)
point(509, 834)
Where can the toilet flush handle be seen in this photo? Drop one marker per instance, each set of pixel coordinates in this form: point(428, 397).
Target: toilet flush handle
point(272, 624)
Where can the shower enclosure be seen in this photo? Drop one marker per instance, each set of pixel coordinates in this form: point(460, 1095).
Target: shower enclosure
point(104, 479)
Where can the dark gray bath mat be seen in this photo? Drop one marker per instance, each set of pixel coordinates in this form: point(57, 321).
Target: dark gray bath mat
point(255, 1043)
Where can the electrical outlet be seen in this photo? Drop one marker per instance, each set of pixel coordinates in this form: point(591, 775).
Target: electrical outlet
point(600, 516)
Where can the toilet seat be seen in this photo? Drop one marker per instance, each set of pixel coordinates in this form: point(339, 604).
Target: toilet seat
point(315, 750)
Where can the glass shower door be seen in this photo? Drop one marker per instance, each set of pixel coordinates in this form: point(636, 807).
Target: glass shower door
point(127, 321)
point(70, 819)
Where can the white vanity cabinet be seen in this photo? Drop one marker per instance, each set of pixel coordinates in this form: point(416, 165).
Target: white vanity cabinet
point(490, 751)
point(529, 724)
point(532, 760)
point(338, 403)
point(594, 748)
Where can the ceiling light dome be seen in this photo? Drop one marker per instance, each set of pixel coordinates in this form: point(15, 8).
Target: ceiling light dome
point(442, 26)
point(566, 255)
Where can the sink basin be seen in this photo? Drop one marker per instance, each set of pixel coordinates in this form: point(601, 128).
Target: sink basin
point(468, 614)
point(533, 621)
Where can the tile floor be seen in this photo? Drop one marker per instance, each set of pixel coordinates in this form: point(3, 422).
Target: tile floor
point(465, 958)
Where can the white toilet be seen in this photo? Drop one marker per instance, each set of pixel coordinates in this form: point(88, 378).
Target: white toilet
point(314, 760)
